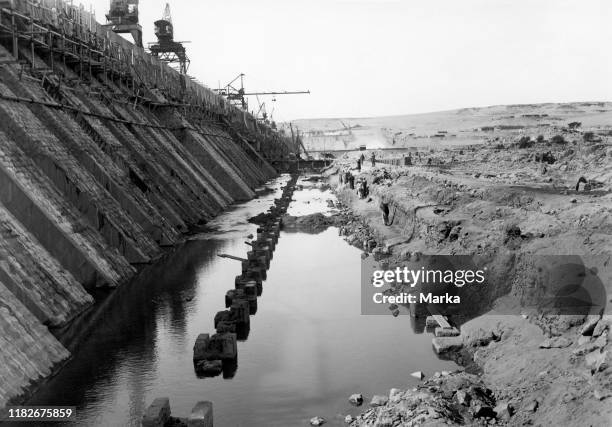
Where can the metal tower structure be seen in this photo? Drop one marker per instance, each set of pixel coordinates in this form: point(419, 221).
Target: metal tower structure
point(122, 18)
point(166, 49)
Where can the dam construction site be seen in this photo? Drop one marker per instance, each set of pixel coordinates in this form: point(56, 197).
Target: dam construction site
point(170, 258)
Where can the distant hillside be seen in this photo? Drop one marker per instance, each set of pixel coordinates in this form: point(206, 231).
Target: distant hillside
point(462, 126)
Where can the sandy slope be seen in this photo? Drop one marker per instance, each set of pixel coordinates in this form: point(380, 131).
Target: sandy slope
point(466, 200)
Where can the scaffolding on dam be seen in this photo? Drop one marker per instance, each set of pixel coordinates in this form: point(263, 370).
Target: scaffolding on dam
point(57, 30)
point(108, 157)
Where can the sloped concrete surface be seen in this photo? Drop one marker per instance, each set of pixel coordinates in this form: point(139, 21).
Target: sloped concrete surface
point(92, 185)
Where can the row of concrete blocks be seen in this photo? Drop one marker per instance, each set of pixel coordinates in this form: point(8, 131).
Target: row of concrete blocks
point(158, 414)
point(219, 352)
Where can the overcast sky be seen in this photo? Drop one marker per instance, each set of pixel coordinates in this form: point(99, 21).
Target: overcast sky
point(389, 57)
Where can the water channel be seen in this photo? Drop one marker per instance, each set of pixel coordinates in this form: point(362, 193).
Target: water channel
point(308, 350)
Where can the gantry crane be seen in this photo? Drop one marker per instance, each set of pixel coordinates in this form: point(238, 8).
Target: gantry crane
point(237, 95)
point(166, 49)
point(122, 18)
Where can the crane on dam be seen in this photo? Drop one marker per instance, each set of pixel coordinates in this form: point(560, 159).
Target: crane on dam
point(237, 95)
point(166, 48)
point(122, 18)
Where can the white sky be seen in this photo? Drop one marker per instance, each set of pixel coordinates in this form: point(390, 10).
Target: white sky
point(389, 57)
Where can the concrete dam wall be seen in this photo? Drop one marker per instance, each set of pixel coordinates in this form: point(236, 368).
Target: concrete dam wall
point(106, 157)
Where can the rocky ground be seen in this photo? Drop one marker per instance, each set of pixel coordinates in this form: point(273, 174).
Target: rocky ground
point(500, 203)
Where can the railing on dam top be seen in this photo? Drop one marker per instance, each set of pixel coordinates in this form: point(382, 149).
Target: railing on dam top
point(58, 26)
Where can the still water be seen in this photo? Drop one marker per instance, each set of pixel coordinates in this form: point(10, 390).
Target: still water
point(308, 350)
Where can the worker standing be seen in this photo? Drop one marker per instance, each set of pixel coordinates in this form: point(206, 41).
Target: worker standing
point(373, 159)
point(359, 165)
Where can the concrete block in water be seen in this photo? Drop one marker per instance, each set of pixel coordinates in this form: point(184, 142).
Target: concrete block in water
point(268, 241)
point(201, 415)
point(430, 322)
point(447, 344)
point(250, 291)
point(263, 262)
point(209, 368)
point(225, 326)
point(223, 316)
point(240, 312)
point(200, 347)
point(256, 273)
point(447, 332)
point(222, 347)
point(157, 414)
point(258, 258)
point(262, 249)
point(242, 280)
point(229, 298)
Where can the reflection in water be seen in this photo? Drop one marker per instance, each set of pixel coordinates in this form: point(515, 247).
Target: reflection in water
point(308, 348)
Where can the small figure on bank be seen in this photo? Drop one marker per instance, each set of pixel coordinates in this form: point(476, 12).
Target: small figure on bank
point(384, 208)
point(351, 180)
point(373, 159)
point(363, 190)
point(340, 177)
point(359, 165)
point(362, 158)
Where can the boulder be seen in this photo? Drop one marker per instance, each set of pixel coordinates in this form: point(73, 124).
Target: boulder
point(356, 399)
point(379, 400)
point(157, 414)
point(395, 395)
point(601, 394)
point(596, 361)
point(603, 325)
point(349, 419)
point(463, 398)
point(317, 421)
point(504, 411)
point(601, 341)
point(589, 324)
point(532, 406)
point(483, 411)
point(584, 349)
point(201, 415)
